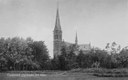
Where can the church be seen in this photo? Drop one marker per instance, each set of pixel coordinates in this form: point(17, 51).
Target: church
point(57, 39)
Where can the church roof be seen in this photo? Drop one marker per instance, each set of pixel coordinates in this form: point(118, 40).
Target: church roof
point(84, 46)
point(67, 43)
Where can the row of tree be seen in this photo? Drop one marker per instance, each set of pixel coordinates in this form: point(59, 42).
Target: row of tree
point(22, 54)
point(110, 57)
point(26, 54)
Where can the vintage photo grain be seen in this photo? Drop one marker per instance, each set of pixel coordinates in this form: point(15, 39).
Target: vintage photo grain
point(63, 39)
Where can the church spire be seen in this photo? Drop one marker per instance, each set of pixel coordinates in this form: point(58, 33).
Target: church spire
point(76, 40)
point(57, 36)
point(57, 23)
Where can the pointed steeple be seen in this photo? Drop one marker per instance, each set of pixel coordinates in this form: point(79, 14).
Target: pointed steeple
point(76, 40)
point(57, 36)
point(57, 23)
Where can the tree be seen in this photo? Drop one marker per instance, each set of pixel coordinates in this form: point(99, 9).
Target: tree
point(63, 59)
point(113, 48)
point(20, 54)
point(2, 57)
point(71, 56)
point(123, 58)
point(81, 59)
point(17, 52)
point(40, 53)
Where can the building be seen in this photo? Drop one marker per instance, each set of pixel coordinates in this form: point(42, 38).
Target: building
point(58, 43)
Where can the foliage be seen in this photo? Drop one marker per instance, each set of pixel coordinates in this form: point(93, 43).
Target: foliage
point(95, 58)
point(40, 53)
point(113, 48)
point(26, 54)
point(67, 59)
point(18, 54)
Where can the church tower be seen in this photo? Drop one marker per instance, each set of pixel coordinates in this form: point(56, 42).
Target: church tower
point(57, 36)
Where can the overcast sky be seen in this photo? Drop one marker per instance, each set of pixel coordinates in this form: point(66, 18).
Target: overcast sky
point(96, 21)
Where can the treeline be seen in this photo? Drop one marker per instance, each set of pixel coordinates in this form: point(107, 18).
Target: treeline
point(22, 54)
point(110, 57)
point(26, 54)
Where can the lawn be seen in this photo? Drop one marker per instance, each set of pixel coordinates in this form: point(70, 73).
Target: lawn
point(57, 75)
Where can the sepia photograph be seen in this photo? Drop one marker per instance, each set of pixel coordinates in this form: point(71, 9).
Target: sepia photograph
point(63, 39)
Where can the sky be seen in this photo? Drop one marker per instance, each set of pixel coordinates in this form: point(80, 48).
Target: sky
point(96, 21)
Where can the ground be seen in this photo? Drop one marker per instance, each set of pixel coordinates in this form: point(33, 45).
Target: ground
point(55, 76)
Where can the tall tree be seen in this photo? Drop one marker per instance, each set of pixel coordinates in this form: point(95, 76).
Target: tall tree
point(40, 53)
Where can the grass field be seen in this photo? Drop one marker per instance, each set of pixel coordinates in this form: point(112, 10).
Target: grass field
point(55, 76)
